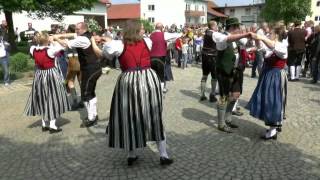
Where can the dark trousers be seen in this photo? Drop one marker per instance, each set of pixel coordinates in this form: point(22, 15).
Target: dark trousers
point(157, 64)
point(89, 78)
point(209, 65)
point(229, 83)
point(315, 69)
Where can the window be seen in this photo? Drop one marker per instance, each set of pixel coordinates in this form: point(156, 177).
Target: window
point(151, 19)
point(248, 11)
point(317, 18)
point(232, 11)
point(151, 7)
point(188, 7)
point(318, 3)
point(196, 7)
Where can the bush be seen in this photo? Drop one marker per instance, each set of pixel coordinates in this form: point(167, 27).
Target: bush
point(19, 62)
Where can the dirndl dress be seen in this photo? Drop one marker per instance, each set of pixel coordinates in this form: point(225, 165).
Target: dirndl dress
point(48, 97)
point(268, 101)
point(136, 107)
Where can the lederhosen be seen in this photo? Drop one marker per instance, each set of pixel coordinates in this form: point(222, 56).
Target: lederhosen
point(90, 70)
point(209, 54)
point(229, 78)
point(73, 65)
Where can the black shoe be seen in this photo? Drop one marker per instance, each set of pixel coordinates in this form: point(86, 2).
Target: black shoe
point(52, 131)
point(88, 123)
point(80, 105)
point(131, 160)
point(203, 98)
point(313, 82)
point(237, 113)
point(279, 129)
point(44, 129)
point(231, 125)
point(226, 129)
point(274, 137)
point(212, 98)
point(165, 161)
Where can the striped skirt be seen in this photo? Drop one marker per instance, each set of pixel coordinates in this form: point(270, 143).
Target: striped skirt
point(136, 110)
point(268, 101)
point(48, 97)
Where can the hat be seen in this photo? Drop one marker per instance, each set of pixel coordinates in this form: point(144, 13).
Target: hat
point(232, 21)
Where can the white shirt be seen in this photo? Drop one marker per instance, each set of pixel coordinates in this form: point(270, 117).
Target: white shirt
point(220, 40)
point(115, 47)
point(261, 44)
point(170, 36)
point(280, 49)
point(185, 48)
point(79, 42)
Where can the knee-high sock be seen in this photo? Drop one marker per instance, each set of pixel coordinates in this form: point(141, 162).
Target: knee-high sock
point(203, 85)
point(132, 154)
point(162, 86)
point(88, 105)
point(162, 147)
point(44, 123)
point(221, 108)
point(74, 96)
point(298, 71)
point(230, 106)
point(93, 106)
point(217, 88)
point(53, 124)
point(292, 72)
point(213, 86)
point(235, 106)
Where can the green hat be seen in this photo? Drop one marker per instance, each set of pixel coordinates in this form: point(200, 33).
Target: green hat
point(232, 21)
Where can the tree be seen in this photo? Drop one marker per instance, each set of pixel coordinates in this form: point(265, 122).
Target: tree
point(148, 26)
point(286, 10)
point(41, 8)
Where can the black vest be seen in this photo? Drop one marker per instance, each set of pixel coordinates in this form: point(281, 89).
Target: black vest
point(87, 57)
point(209, 46)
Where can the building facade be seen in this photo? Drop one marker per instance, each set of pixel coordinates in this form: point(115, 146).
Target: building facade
point(98, 12)
point(247, 13)
point(179, 12)
point(315, 8)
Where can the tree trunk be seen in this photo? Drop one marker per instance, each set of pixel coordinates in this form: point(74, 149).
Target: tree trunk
point(13, 46)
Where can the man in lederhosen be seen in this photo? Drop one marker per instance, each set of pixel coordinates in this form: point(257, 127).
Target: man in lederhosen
point(229, 76)
point(209, 55)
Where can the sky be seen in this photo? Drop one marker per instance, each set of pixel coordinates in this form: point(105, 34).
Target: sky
point(218, 2)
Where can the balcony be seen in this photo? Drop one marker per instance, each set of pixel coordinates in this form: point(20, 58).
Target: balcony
point(192, 13)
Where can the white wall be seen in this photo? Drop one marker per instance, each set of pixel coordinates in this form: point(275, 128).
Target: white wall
point(21, 21)
point(241, 11)
point(315, 12)
point(170, 11)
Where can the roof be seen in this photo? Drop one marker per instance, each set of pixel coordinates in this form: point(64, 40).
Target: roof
point(124, 11)
point(211, 6)
point(105, 1)
point(216, 13)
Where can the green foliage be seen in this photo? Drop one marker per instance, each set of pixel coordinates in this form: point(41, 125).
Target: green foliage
point(287, 10)
point(148, 26)
point(93, 25)
point(19, 62)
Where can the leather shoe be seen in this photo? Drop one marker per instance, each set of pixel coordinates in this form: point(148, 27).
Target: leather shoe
point(52, 131)
point(212, 98)
point(165, 161)
point(131, 160)
point(88, 123)
point(231, 125)
point(237, 113)
point(274, 137)
point(44, 129)
point(226, 129)
point(203, 98)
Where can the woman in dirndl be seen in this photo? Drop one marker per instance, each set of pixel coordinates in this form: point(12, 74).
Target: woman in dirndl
point(136, 107)
point(268, 101)
point(48, 97)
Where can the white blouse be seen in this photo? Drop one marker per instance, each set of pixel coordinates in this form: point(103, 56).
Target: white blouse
point(280, 49)
point(115, 47)
point(52, 49)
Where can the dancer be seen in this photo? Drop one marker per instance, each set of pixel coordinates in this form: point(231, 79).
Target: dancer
point(90, 69)
point(269, 98)
point(48, 97)
point(136, 108)
point(209, 55)
point(229, 77)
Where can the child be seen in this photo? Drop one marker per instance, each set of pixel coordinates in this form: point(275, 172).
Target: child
point(185, 47)
point(48, 97)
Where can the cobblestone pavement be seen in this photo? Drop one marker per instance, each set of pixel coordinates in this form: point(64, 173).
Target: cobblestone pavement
point(200, 151)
